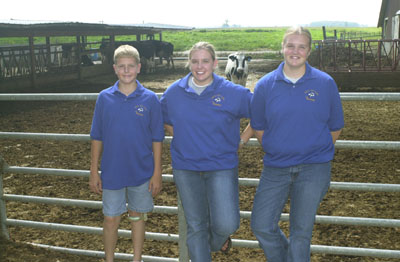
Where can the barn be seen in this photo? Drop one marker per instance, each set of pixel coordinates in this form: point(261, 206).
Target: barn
point(389, 19)
point(33, 63)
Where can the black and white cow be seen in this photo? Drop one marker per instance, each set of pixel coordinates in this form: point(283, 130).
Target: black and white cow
point(237, 68)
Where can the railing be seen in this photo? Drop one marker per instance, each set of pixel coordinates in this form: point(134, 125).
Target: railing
point(181, 237)
point(356, 55)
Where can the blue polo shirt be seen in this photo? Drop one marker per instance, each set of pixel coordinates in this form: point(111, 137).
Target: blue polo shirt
point(127, 126)
point(296, 118)
point(206, 126)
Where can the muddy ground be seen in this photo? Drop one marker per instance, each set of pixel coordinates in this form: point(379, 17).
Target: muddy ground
point(364, 121)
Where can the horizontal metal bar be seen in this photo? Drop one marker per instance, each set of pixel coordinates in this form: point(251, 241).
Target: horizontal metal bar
point(101, 254)
point(333, 250)
point(77, 203)
point(357, 144)
point(44, 136)
point(338, 220)
point(87, 229)
point(349, 186)
point(370, 96)
point(355, 251)
point(367, 187)
point(354, 144)
point(350, 251)
point(60, 172)
point(49, 97)
point(375, 96)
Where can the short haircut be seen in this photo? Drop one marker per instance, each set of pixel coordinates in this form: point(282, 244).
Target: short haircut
point(297, 30)
point(126, 51)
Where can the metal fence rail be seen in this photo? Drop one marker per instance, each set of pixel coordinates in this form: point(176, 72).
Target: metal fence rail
point(334, 250)
point(345, 96)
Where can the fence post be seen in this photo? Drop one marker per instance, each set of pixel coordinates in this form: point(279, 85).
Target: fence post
point(183, 250)
point(3, 217)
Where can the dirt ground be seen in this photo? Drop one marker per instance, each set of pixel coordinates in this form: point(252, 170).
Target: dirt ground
point(364, 121)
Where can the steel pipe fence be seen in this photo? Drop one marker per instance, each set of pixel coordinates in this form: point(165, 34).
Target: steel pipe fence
point(345, 96)
point(180, 238)
point(338, 220)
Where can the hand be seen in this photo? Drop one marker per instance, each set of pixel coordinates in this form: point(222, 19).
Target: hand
point(155, 184)
point(95, 182)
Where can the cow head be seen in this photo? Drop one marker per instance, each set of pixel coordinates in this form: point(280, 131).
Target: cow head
point(240, 60)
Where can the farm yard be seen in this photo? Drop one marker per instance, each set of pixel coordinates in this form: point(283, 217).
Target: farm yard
point(364, 120)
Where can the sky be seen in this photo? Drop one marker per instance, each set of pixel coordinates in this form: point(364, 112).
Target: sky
point(198, 14)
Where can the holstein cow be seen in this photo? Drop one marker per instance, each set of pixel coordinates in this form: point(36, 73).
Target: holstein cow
point(237, 69)
point(163, 50)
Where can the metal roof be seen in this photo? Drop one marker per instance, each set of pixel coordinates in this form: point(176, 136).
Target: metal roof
point(19, 28)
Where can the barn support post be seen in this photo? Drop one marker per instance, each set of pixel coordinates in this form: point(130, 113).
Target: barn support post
point(33, 62)
point(78, 54)
point(183, 250)
point(3, 217)
point(48, 50)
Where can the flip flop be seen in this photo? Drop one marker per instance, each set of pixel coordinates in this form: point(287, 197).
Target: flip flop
point(229, 240)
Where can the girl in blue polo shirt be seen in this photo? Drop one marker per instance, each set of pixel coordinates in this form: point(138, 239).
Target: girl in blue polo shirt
point(297, 116)
point(127, 132)
point(202, 111)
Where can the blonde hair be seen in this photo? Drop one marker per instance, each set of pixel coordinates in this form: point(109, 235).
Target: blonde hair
point(126, 51)
point(203, 46)
point(297, 30)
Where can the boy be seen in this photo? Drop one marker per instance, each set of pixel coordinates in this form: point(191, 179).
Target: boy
point(127, 133)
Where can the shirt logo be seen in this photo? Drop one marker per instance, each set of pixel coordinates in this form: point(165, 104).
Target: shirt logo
point(217, 100)
point(311, 95)
point(140, 109)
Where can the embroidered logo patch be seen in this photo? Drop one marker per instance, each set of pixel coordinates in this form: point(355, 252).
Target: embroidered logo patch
point(140, 109)
point(217, 100)
point(311, 95)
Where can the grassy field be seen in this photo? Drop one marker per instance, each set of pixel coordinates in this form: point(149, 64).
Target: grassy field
point(250, 39)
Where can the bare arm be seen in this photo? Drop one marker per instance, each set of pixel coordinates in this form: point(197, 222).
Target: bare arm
point(94, 178)
point(170, 129)
point(335, 135)
point(246, 135)
point(259, 134)
point(155, 185)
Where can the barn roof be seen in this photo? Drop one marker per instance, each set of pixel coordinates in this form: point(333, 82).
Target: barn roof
point(26, 28)
point(382, 13)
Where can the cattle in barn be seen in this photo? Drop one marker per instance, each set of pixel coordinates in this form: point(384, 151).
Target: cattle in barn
point(69, 55)
point(164, 50)
point(237, 68)
point(146, 50)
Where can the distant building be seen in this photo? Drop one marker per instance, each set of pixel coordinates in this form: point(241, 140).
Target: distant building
point(389, 19)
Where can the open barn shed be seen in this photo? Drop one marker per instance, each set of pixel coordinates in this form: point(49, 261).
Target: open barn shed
point(42, 58)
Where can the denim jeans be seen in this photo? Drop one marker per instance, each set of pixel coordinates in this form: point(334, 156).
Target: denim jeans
point(305, 185)
point(210, 202)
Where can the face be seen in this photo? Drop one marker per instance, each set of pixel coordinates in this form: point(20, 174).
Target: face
point(202, 67)
point(127, 70)
point(296, 50)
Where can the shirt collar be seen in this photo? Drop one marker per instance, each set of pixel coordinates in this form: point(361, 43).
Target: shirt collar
point(307, 75)
point(184, 83)
point(139, 89)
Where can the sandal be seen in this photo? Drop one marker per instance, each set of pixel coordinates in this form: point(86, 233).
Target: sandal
point(229, 242)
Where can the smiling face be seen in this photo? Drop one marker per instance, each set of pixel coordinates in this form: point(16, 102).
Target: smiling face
point(202, 65)
point(127, 69)
point(296, 49)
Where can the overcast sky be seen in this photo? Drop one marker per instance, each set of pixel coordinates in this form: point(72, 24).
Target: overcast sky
point(199, 14)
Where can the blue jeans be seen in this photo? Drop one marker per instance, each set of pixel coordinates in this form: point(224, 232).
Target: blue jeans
point(305, 185)
point(210, 202)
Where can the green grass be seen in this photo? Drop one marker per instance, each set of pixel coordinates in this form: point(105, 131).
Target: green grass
point(250, 39)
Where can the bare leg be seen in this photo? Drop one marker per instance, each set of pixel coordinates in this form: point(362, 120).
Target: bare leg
point(110, 236)
point(138, 231)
